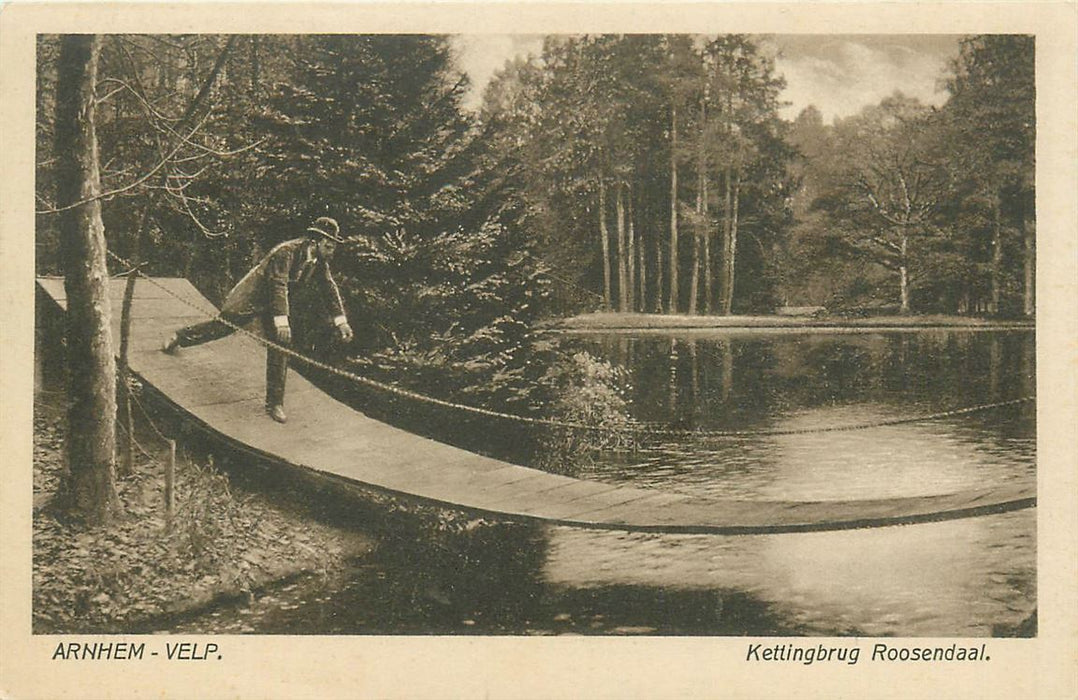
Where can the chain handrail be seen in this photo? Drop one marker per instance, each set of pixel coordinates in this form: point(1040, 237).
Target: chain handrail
point(146, 414)
point(637, 429)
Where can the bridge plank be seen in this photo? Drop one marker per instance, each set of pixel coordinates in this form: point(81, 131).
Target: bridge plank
point(559, 502)
point(635, 510)
point(549, 493)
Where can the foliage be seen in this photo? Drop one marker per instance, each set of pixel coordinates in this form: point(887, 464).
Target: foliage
point(883, 187)
point(587, 391)
point(371, 128)
point(207, 512)
point(437, 279)
point(451, 314)
point(990, 123)
point(368, 129)
point(969, 226)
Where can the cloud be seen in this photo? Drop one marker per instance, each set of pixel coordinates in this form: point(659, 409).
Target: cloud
point(841, 75)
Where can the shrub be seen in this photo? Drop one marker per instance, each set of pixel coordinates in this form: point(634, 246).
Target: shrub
point(590, 392)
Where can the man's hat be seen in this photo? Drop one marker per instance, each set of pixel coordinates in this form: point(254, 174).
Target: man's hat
point(327, 227)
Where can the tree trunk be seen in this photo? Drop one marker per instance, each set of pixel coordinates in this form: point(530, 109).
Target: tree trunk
point(731, 252)
point(126, 417)
point(642, 272)
point(658, 274)
point(904, 283)
point(694, 281)
point(904, 277)
point(88, 488)
point(997, 253)
point(694, 285)
point(123, 371)
point(632, 252)
point(604, 237)
point(702, 204)
point(708, 291)
point(1029, 266)
point(623, 260)
point(672, 303)
point(727, 211)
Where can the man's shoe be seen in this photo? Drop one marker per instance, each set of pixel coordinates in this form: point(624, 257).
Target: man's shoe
point(277, 413)
point(171, 345)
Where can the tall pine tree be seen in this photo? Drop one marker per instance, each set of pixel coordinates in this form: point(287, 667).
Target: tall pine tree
point(370, 130)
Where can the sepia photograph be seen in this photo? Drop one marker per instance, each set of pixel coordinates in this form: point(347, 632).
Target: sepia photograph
point(513, 334)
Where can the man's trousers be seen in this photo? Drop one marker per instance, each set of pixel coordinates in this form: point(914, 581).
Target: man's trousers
point(276, 361)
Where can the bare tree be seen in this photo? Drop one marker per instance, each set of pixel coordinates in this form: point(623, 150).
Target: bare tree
point(889, 187)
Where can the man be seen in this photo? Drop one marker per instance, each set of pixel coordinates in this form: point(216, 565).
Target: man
point(263, 294)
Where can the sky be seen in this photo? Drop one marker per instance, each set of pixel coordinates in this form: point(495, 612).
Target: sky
point(840, 74)
point(480, 55)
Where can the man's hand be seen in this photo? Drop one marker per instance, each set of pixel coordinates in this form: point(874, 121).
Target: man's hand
point(283, 331)
point(346, 332)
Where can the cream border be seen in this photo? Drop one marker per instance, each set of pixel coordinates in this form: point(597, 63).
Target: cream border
point(392, 667)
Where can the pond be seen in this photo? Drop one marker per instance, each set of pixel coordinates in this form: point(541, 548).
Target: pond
point(967, 577)
point(803, 386)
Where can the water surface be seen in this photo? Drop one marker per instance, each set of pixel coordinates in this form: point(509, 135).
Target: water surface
point(817, 382)
point(968, 577)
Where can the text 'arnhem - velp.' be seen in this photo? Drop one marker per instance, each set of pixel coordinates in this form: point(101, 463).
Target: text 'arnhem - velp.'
point(135, 651)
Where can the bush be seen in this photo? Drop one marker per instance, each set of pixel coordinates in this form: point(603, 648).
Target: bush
point(205, 513)
point(588, 392)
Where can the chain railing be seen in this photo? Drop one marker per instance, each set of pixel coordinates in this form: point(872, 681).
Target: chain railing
point(642, 429)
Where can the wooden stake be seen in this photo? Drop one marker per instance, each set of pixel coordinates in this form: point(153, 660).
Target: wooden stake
point(170, 484)
point(126, 419)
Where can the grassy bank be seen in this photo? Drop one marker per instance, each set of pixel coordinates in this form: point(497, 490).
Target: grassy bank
point(613, 321)
point(138, 572)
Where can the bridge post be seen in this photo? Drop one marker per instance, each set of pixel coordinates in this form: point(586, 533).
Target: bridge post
point(126, 419)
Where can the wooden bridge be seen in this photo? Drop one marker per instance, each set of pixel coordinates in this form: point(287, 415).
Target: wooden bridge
point(221, 385)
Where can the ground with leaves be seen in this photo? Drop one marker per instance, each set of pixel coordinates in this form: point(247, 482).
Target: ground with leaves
point(136, 573)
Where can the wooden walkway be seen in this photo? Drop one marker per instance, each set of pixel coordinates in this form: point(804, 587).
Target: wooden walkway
point(221, 384)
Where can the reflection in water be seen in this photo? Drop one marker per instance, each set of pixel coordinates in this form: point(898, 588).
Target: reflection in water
point(816, 382)
point(913, 459)
point(966, 577)
point(741, 380)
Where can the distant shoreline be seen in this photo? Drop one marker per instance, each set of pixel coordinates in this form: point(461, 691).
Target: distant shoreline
point(616, 321)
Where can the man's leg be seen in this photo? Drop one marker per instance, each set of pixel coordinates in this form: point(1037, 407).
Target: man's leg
point(276, 375)
point(204, 332)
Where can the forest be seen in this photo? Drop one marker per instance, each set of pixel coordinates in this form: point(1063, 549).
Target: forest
point(661, 166)
point(623, 173)
point(646, 173)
